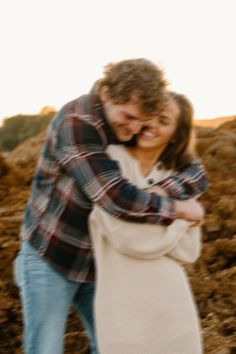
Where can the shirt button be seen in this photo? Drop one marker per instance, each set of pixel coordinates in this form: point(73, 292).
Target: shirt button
point(150, 181)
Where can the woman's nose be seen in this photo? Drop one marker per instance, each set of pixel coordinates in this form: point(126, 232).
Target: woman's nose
point(151, 123)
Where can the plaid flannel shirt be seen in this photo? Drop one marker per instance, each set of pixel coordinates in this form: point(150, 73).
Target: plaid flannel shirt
point(73, 173)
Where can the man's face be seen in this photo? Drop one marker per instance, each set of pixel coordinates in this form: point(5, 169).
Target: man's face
point(125, 119)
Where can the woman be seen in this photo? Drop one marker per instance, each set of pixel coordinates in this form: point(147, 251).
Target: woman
point(143, 302)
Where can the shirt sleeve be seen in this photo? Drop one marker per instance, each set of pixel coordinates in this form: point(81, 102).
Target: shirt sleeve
point(79, 149)
point(147, 241)
point(188, 183)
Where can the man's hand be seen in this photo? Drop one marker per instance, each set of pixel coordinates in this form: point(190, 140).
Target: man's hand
point(190, 210)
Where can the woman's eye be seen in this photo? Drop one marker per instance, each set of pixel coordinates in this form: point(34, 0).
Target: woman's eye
point(163, 121)
point(129, 117)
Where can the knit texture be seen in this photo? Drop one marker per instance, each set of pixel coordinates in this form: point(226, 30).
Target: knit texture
point(144, 303)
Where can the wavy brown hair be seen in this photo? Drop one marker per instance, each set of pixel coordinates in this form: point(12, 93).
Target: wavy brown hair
point(137, 79)
point(177, 154)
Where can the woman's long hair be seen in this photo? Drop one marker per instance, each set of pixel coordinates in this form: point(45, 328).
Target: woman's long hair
point(177, 154)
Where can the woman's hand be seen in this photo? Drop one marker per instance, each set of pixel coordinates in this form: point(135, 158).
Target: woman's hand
point(190, 210)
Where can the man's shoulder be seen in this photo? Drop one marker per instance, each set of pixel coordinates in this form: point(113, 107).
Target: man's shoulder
point(81, 120)
point(82, 111)
point(85, 108)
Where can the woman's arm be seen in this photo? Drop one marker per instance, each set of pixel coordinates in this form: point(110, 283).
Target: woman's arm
point(138, 240)
point(188, 248)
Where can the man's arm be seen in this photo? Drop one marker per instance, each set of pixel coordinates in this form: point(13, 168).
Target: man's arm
point(79, 149)
point(190, 210)
point(188, 183)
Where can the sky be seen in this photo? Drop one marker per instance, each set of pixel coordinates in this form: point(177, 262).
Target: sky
point(53, 50)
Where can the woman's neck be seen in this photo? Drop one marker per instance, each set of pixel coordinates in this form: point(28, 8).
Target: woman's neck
point(147, 158)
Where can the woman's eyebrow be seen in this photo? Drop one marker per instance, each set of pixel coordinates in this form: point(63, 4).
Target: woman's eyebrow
point(164, 116)
point(130, 116)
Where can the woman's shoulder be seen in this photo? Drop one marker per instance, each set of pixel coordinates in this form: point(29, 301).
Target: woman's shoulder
point(128, 165)
point(117, 151)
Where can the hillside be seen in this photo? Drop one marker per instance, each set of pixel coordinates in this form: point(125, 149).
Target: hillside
point(16, 129)
point(213, 276)
point(213, 123)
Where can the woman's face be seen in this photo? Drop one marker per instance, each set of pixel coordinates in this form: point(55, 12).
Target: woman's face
point(159, 132)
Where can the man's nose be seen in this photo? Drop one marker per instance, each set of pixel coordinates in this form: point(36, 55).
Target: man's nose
point(136, 126)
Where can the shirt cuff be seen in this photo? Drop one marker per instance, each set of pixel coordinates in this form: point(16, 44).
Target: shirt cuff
point(166, 210)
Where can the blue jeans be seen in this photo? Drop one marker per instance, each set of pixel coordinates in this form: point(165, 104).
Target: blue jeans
point(46, 299)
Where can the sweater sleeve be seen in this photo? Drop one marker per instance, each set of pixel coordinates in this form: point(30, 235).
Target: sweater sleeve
point(144, 241)
point(188, 248)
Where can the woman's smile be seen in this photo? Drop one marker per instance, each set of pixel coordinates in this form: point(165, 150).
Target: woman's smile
point(147, 134)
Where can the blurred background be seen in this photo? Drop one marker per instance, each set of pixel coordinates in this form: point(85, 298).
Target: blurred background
point(52, 52)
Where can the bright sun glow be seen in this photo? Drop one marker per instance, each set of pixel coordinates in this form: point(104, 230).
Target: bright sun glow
point(53, 50)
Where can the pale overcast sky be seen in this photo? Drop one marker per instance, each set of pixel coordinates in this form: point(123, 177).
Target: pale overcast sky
point(53, 50)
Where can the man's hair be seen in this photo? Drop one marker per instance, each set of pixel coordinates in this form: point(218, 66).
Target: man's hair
point(177, 154)
point(137, 79)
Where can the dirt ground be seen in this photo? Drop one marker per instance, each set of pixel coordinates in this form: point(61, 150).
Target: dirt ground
point(213, 276)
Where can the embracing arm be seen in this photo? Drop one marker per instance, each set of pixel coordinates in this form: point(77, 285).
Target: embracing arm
point(144, 241)
point(79, 149)
point(188, 183)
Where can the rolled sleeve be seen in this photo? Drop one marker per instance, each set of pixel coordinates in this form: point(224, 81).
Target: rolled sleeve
point(188, 183)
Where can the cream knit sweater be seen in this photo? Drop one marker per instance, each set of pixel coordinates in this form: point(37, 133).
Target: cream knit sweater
point(143, 303)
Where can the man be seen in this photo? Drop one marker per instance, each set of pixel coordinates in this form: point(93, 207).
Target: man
point(55, 268)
